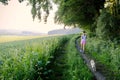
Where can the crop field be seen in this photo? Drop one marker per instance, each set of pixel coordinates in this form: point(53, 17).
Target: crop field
point(19, 59)
point(8, 38)
point(55, 58)
point(46, 58)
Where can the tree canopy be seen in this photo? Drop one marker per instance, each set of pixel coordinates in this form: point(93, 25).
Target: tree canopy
point(38, 6)
point(5, 2)
point(82, 12)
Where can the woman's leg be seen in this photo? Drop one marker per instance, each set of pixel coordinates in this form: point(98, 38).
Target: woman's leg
point(83, 48)
point(81, 45)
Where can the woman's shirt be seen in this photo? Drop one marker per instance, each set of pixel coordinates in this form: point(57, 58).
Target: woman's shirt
point(83, 37)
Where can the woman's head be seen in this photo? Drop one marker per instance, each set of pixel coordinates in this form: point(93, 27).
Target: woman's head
point(83, 31)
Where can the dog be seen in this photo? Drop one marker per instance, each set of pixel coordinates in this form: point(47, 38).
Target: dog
point(92, 63)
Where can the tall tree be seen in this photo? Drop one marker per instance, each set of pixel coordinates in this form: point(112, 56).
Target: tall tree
point(79, 12)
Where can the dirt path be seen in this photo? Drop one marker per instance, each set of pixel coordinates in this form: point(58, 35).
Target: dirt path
point(86, 59)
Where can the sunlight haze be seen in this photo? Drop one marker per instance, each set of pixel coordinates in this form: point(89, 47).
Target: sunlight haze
point(17, 16)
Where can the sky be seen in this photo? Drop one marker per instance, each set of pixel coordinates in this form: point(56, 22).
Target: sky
point(17, 16)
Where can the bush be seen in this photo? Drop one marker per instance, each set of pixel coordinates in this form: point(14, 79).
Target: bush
point(107, 26)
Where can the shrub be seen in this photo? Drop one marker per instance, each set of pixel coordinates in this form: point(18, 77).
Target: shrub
point(107, 26)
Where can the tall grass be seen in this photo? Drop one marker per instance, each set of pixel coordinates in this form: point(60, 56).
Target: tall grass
point(33, 59)
point(26, 60)
point(106, 53)
point(77, 69)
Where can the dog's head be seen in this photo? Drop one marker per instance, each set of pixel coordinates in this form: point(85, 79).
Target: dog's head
point(92, 62)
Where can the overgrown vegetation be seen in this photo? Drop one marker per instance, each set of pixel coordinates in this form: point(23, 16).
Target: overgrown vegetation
point(107, 56)
point(77, 69)
point(42, 59)
point(22, 60)
point(108, 26)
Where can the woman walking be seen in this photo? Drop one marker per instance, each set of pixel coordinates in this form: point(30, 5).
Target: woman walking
point(83, 41)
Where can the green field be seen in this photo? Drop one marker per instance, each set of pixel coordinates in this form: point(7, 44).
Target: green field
point(8, 38)
point(56, 58)
point(46, 58)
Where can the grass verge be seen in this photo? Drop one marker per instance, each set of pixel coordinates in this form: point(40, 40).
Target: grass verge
point(107, 57)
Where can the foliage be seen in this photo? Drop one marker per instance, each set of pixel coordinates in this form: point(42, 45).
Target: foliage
point(34, 60)
point(22, 60)
point(80, 12)
point(112, 7)
point(76, 67)
point(5, 2)
point(38, 6)
point(107, 26)
point(106, 53)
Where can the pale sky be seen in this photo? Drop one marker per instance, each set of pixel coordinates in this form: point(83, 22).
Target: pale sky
point(18, 16)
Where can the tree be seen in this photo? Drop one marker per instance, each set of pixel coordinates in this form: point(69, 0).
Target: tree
point(78, 12)
point(113, 7)
point(5, 2)
point(37, 7)
point(108, 23)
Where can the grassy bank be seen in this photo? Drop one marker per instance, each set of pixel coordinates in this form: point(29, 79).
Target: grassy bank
point(107, 55)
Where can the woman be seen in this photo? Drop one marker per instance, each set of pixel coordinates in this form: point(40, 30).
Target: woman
point(83, 41)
